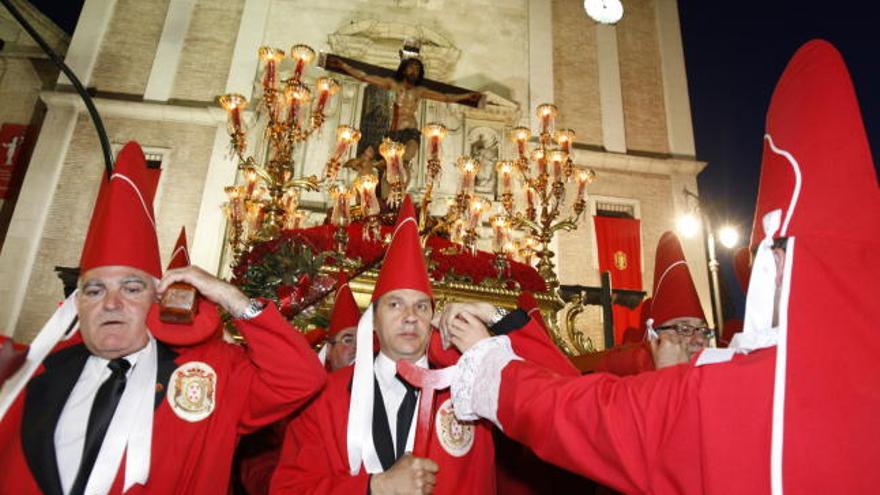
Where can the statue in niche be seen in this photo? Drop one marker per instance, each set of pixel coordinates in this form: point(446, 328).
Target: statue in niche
point(483, 146)
point(391, 103)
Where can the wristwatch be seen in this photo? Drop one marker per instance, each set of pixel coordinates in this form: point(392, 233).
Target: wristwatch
point(253, 309)
point(499, 314)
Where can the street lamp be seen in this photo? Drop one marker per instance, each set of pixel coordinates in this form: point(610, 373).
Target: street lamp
point(688, 225)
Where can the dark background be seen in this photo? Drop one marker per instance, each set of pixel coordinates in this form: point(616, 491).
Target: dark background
point(734, 54)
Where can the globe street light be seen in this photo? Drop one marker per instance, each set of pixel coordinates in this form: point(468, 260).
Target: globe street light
point(689, 225)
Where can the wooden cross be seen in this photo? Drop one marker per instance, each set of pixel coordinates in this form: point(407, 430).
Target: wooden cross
point(428, 381)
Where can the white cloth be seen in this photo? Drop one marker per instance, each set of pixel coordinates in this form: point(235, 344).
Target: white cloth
point(758, 329)
point(70, 432)
point(477, 381)
point(130, 429)
point(359, 433)
point(51, 333)
point(393, 392)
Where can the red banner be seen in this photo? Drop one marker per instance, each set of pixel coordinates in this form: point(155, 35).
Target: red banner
point(620, 252)
point(12, 138)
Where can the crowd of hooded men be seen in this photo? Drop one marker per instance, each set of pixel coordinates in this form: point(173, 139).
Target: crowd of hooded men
point(113, 400)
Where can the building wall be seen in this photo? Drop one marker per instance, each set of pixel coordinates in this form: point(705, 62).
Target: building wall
point(575, 71)
point(641, 80)
point(127, 51)
point(207, 50)
point(188, 149)
point(493, 36)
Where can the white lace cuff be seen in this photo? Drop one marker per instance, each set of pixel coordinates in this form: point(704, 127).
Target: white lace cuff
point(476, 386)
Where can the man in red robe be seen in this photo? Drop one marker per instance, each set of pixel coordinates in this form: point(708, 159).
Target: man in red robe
point(676, 324)
point(113, 409)
point(782, 409)
point(260, 452)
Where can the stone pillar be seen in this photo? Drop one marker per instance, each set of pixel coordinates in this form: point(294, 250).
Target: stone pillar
point(675, 89)
point(540, 57)
point(610, 95)
point(167, 58)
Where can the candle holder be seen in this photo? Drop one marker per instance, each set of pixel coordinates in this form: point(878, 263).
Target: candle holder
point(268, 201)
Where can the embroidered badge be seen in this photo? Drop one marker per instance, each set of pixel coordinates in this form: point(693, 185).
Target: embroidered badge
point(455, 436)
point(191, 391)
point(620, 260)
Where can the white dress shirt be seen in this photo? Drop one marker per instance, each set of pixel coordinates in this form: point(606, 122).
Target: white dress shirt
point(70, 432)
point(393, 392)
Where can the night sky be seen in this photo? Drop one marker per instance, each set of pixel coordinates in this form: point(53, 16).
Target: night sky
point(735, 53)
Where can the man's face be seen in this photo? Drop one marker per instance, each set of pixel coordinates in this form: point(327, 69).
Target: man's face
point(112, 303)
point(411, 72)
point(343, 348)
point(403, 323)
point(691, 331)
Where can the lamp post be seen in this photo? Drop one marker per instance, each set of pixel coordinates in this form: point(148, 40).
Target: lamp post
point(689, 225)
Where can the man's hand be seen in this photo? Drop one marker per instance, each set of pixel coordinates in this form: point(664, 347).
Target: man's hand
point(466, 330)
point(409, 475)
point(453, 311)
point(669, 349)
point(215, 290)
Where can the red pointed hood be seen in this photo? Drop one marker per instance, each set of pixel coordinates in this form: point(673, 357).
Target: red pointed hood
point(404, 264)
point(180, 254)
point(675, 295)
point(345, 310)
point(123, 227)
point(818, 173)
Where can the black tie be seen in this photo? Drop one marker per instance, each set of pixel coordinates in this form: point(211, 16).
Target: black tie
point(405, 416)
point(103, 409)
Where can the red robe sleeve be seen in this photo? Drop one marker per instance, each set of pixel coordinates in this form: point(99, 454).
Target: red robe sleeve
point(314, 457)
point(282, 372)
point(607, 428)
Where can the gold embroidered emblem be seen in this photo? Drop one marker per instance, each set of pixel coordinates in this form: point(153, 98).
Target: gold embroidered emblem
point(620, 260)
point(191, 391)
point(456, 437)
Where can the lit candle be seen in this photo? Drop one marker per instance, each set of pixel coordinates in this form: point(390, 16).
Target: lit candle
point(478, 205)
point(531, 197)
point(500, 226)
point(340, 215)
point(250, 179)
point(547, 113)
point(303, 56)
point(327, 87)
point(234, 103)
point(290, 201)
point(505, 174)
point(520, 135)
point(255, 213)
point(435, 133)
point(366, 185)
point(392, 152)
point(297, 95)
point(456, 233)
point(541, 160)
point(558, 158)
point(583, 177)
point(565, 137)
point(271, 56)
point(294, 220)
point(468, 168)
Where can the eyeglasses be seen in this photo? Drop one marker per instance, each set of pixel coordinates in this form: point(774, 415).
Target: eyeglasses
point(687, 330)
point(347, 339)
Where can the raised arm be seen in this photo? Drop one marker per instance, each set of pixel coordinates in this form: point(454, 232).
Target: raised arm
point(382, 82)
point(470, 97)
point(278, 371)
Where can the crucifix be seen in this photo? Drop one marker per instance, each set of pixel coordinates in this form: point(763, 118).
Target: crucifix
point(409, 87)
point(428, 381)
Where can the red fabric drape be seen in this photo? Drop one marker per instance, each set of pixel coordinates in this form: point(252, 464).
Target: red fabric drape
point(619, 244)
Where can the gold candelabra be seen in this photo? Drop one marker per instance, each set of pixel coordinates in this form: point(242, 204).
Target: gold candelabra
point(268, 199)
point(545, 170)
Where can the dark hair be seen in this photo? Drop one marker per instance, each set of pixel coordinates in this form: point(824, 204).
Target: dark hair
point(402, 68)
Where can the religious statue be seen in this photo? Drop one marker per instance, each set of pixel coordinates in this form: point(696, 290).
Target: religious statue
point(408, 86)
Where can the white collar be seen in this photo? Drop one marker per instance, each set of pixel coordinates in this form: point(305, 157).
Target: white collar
point(386, 368)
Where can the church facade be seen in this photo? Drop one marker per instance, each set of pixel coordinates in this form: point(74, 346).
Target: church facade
point(157, 67)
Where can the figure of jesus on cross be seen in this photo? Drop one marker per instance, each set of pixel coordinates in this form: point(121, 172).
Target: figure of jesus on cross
point(409, 86)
